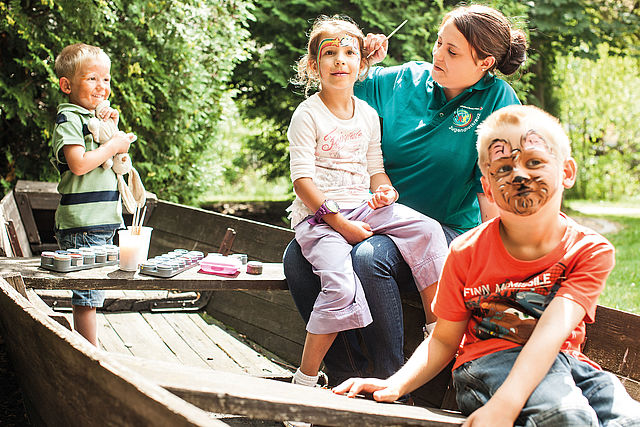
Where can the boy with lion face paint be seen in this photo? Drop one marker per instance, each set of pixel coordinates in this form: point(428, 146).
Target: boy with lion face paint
point(515, 294)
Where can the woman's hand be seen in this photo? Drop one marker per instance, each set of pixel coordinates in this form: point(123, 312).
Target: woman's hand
point(383, 196)
point(383, 390)
point(378, 44)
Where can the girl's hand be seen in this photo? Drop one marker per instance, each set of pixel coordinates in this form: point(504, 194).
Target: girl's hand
point(355, 232)
point(383, 390)
point(378, 44)
point(383, 196)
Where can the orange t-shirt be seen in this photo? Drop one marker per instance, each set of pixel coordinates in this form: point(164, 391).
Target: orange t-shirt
point(503, 297)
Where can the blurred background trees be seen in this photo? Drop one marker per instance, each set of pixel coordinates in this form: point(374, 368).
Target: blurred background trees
point(205, 84)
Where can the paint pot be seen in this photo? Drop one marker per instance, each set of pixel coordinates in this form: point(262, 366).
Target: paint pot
point(101, 255)
point(242, 257)
point(62, 261)
point(254, 267)
point(46, 258)
point(112, 254)
point(89, 257)
point(76, 260)
point(164, 268)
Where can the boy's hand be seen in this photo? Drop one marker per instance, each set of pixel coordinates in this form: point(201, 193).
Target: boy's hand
point(383, 196)
point(493, 413)
point(377, 43)
point(355, 232)
point(121, 141)
point(382, 390)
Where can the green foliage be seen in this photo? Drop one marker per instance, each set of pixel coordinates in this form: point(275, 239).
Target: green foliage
point(601, 123)
point(171, 62)
point(577, 27)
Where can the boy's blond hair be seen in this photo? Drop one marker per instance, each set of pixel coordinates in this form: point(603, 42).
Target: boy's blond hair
point(71, 58)
point(526, 116)
point(322, 26)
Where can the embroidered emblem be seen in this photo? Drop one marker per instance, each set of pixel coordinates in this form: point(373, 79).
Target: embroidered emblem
point(462, 117)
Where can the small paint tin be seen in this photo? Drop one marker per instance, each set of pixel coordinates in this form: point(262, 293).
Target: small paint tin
point(164, 268)
point(242, 257)
point(62, 261)
point(46, 258)
point(149, 266)
point(199, 255)
point(254, 267)
point(101, 255)
point(181, 251)
point(76, 259)
point(112, 254)
point(89, 257)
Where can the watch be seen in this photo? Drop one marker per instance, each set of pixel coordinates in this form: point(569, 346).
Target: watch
point(329, 206)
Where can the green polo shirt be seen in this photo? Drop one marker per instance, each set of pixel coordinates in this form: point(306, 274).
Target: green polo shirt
point(429, 144)
point(90, 202)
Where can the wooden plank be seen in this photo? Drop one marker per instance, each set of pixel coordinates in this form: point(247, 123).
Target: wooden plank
point(34, 299)
point(267, 399)
point(206, 229)
point(41, 195)
point(26, 215)
point(201, 344)
point(613, 341)
point(139, 337)
point(110, 277)
point(13, 239)
point(251, 361)
point(9, 211)
point(173, 340)
point(278, 328)
point(108, 338)
point(67, 381)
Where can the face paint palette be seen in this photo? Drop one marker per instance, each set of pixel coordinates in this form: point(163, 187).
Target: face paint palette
point(84, 258)
point(171, 263)
point(219, 264)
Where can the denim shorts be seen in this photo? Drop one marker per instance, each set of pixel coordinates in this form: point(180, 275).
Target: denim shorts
point(573, 393)
point(77, 239)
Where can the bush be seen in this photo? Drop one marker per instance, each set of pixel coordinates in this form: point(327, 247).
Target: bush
point(601, 123)
point(171, 61)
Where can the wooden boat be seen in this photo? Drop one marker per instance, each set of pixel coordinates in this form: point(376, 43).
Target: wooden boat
point(148, 391)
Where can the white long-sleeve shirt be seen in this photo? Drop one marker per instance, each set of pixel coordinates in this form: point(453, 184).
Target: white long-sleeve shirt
point(339, 155)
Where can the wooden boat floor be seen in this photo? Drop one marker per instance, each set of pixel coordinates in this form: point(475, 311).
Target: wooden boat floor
point(187, 339)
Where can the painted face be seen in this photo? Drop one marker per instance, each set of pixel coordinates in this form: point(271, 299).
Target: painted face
point(91, 84)
point(338, 62)
point(523, 173)
point(454, 67)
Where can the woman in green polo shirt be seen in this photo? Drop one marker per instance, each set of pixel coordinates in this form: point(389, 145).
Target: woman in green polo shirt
point(429, 114)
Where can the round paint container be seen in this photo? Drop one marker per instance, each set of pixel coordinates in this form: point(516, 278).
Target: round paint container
point(76, 259)
point(89, 257)
point(254, 267)
point(62, 261)
point(101, 255)
point(164, 268)
point(46, 258)
point(112, 254)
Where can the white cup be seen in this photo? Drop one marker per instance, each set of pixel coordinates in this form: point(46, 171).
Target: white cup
point(134, 248)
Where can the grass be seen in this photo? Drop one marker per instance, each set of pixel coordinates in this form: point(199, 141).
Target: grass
point(623, 285)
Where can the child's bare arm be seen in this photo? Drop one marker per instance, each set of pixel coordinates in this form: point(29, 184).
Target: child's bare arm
point(559, 319)
point(426, 362)
point(353, 231)
point(81, 161)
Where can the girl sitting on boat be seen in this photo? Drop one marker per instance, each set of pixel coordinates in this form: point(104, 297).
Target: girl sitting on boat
point(343, 194)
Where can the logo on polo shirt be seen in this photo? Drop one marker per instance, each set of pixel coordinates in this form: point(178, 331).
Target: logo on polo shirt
point(462, 117)
point(465, 118)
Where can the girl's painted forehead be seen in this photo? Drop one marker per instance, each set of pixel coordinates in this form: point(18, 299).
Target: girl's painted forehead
point(343, 41)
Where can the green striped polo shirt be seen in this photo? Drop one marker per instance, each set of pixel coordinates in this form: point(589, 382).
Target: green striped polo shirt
point(89, 202)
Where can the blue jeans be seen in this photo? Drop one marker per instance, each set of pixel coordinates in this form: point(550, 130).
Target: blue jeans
point(376, 350)
point(573, 393)
point(78, 239)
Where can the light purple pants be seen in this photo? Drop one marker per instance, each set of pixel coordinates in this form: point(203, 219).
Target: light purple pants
point(341, 304)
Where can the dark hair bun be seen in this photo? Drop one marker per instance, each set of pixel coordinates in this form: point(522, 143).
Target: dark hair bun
point(515, 55)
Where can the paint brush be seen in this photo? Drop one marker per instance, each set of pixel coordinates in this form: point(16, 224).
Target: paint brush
point(388, 37)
